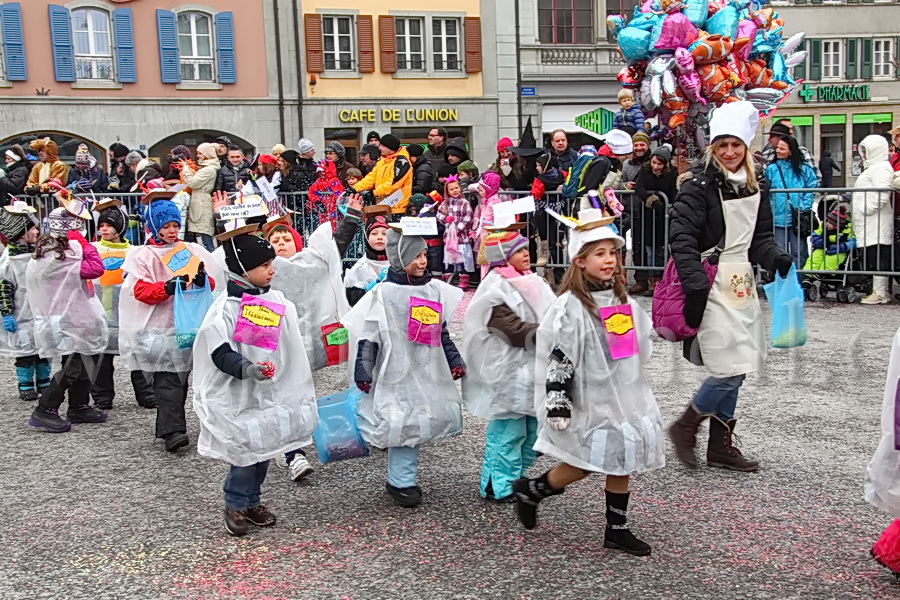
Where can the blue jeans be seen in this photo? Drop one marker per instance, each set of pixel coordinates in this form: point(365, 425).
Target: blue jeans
point(508, 452)
point(718, 396)
point(402, 466)
point(786, 238)
point(243, 485)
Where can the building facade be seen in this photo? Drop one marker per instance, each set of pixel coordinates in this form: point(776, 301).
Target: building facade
point(851, 87)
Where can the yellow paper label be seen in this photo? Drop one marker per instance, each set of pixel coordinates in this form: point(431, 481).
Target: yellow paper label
point(261, 316)
point(619, 324)
point(425, 315)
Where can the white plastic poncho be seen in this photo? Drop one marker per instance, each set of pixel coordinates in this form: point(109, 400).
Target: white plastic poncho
point(21, 343)
point(883, 474)
point(615, 426)
point(311, 279)
point(244, 422)
point(414, 399)
point(364, 272)
point(147, 332)
point(499, 381)
point(109, 287)
point(68, 317)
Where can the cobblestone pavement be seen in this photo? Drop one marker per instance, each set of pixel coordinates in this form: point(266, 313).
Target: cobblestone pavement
point(103, 512)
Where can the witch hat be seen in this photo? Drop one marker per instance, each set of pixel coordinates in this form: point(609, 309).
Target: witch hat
point(527, 144)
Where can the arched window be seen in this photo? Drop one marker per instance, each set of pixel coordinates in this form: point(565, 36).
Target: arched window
point(93, 46)
point(195, 47)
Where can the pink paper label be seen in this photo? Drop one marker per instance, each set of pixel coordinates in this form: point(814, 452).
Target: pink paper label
point(621, 338)
point(424, 325)
point(259, 322)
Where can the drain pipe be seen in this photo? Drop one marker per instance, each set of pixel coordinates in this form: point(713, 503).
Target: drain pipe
point(518, 68)
point(279, 67)
point(300, 77)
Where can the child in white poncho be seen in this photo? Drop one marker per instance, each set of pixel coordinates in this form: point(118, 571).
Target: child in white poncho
point(253, 389)
point(596, 412)
point(499, 330)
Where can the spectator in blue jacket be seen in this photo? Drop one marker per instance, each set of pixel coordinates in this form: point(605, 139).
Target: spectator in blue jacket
point(792, 211)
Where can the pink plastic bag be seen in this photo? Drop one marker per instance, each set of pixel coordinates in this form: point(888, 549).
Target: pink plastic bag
point(667, 311)
point(259, 322)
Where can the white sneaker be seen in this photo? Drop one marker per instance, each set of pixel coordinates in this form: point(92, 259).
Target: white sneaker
point(281, 461)
point(299, 468)
point(874, 298)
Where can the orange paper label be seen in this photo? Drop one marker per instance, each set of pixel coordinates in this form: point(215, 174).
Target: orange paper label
point(181, 261)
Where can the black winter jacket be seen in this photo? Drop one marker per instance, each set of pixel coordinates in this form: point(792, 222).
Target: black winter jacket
point(697, 224)
point(301, 176)
point(228, 177)
point(423, 177)
point(14, 181)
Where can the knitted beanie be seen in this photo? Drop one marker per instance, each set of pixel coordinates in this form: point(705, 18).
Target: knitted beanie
point(159, 213)
point(13, 226)
point(500, 245)
point(403, 249)
point(246, 252)
point(61, 222)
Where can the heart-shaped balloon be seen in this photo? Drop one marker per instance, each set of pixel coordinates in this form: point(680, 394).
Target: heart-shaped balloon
point(675, 31)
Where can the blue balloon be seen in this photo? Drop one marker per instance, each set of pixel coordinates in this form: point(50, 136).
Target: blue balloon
point(646, 21)
point(724, 22)
point(696, 12)
point(634, 43)
point(779, 68)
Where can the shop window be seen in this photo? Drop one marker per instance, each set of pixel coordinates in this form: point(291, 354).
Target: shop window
point(419, 135)
point(445, 49)
point(93, 48)
point(883, 54)
point(337, 43)
point(195, 47)
point(832, 62)
point(348, 137)
point(566, 21)
point(410, 47)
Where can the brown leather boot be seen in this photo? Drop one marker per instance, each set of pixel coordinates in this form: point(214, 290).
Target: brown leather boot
point(683, 434)
point(721, 452)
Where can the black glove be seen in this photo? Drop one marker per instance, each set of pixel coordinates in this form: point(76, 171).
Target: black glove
point(694, 306)
point(33, 191)
point(782, 264)
point(170, 284)
point(200, 278)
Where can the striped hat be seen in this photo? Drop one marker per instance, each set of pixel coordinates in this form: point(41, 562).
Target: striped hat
point(500, 245)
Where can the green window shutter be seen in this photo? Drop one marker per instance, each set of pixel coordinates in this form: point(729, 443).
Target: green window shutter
point(865, 64)
point(799, 71)
point(815, 60)
point(852, 59)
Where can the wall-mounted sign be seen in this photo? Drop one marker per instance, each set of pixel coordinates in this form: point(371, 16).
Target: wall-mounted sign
point(834, 93)
point(397, 115)
point(599, 121)
point(528, 91)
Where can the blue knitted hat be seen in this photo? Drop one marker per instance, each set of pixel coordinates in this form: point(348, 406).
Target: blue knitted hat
point(160, 212)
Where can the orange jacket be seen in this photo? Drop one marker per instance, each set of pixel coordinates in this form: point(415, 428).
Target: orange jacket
point(390, 173)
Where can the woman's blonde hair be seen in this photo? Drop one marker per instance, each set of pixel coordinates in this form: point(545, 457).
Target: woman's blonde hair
point(748, 165)
point(576, 280)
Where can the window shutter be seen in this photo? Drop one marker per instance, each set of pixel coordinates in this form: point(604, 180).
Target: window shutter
point(387, 36)
point(852, 59)
point(13, 41)
point(169, 59)
point(799, 71)
point(365, 43)
point(815, 60)
point(61, 40)
point(123, 39)
point(865, 62)
point(225, 48)
point(473, 44)
point(315, 57)
point(895, 51)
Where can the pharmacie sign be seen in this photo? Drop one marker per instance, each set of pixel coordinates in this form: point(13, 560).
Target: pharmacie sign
point(397, 115)
point(834, 93)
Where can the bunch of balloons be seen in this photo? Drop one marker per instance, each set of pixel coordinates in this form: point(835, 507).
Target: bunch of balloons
point(687, 57)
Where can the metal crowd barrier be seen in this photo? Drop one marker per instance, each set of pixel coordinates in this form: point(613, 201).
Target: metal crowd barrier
point(650, 255)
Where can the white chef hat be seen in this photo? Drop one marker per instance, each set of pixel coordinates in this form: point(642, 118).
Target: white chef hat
point(578, 239)
point(619, 142)
point(735, 119)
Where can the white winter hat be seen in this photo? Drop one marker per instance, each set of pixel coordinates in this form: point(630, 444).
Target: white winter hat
point(619, 142)
point(305, 145)
point(735, 119)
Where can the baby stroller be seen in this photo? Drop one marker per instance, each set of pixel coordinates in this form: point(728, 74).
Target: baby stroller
point(847, 287)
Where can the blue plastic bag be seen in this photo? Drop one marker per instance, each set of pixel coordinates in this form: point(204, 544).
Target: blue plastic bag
point(337, 436)
point(191, 307)
point(785, 296)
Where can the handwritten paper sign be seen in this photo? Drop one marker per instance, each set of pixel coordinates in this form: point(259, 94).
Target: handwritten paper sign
point(419, 225)
point(393, 199)
point(259, 322)
point(505, 212)
point(266, 188)
point(621, 338)
point(424, 325)
point(241, 211)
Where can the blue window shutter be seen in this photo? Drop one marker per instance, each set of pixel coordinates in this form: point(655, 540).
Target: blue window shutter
point(169, 60)
point(225, 48)
point(123, 38)
point(13, 41)
point(61, 40)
